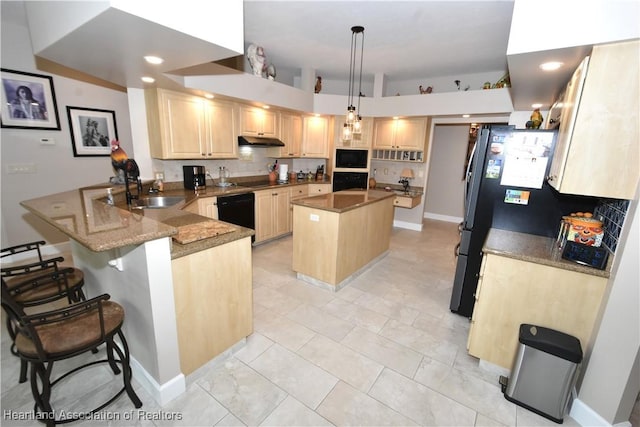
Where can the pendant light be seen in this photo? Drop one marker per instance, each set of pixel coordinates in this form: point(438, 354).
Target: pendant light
point(352, 123)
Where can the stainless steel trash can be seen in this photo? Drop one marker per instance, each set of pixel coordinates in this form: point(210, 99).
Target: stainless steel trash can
point(543, 372)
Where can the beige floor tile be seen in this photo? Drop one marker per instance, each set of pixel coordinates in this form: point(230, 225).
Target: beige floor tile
point(297, 376)
point(348, 365)
point(321, 322)
point(384, 351)
point(357, 315)
point(423, 405)
point(346, 406)
point(293, 413)
point(284, 331)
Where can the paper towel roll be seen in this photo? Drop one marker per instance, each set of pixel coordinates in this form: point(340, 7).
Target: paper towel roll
point(284, 172)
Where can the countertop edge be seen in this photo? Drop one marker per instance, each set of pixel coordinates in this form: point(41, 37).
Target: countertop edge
point(536, 249)
point(303, 201)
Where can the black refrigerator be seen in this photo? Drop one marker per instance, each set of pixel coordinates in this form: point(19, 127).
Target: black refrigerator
point(506, 188)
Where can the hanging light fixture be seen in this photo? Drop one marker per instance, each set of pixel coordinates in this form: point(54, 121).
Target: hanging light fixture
point(352, 123)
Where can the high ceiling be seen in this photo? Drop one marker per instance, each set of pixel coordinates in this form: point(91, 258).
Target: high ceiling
point(405, 40)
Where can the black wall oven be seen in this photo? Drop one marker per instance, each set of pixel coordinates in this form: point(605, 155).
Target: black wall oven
point(352, 159)
point(349, 180)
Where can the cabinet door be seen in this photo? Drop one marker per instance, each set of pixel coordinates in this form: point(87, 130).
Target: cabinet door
point(567, 120)
point(603, 155)
point(410, 134)
point(182, 125)
point(315, 189)
point(208, 207)
point(384, 133)
point(513, 292)
point(222, 143)
point(296, 192)
point(315, 137)
point(258, 122)
point(290, 134)
point(361, 140)
point(264, 215)
point(282, 212)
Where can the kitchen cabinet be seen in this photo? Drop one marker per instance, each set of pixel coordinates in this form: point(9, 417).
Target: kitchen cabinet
point(512, 291)
point(400, 134)
point(290, 134)
point(315, 137)
point(208, 206)
point(407, 201)
point(183, 126)
point(272, 213)
point(597, 151)
point(315, 189)
point(296, 192)
point(213, 305)
point(361, 140)
point(256, 121)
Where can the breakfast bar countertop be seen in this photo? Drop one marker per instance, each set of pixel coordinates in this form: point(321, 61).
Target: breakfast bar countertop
point(342, 201)
point(536, 249)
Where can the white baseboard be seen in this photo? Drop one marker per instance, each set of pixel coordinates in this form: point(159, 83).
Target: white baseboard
point(585, 416)
point(446, 218)
point(161, 393)
point(407, 225)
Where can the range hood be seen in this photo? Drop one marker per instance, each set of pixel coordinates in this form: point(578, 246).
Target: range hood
point(259, 141)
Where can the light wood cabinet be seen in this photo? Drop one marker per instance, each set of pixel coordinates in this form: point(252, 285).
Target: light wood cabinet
point(597, 151)
point(315, 189)
point(400, 134)
point(296, 192)
point(406, 201)
point(214, 307)
point(272, 213)
point(315, 137)
point(290, 134)
point(256, 121)
point(183, 126)
point(361, 140)
point(511, 292)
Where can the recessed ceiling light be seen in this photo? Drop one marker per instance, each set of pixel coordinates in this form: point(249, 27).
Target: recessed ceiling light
point(466, 116)
point(155, 60)
point(266, 107)
point(536, 105)
point(208, 96)
point(551, 66)
point(148, 79)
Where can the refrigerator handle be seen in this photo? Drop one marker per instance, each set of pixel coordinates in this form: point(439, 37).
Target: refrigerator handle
point(467, 175)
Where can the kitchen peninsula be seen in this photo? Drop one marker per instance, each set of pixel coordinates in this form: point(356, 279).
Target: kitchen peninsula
point(337, 235)
point(181, 309)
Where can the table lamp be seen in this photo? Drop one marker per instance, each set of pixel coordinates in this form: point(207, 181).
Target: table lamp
point(405, 176)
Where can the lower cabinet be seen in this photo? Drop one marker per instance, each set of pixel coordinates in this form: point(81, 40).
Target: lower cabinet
point(511, 292)
point(213, 301)
point(315, 189)
point(296, 192)
point(272, 213)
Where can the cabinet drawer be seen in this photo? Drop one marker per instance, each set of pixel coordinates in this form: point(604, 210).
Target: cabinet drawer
point(407, 201)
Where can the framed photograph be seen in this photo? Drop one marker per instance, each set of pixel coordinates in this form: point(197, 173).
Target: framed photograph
point(28, 101)
point(92, 131)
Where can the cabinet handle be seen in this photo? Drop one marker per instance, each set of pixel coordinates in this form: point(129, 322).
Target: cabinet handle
point(551, 177)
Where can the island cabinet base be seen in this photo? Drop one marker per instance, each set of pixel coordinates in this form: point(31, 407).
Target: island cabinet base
point(213, 300)
point(331, 247)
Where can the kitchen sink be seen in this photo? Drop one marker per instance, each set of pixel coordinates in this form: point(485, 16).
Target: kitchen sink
point(157, 202)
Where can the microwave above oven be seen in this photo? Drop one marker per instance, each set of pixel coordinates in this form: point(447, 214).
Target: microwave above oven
point(352, 159)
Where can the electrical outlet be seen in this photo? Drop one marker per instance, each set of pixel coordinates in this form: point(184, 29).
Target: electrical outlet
point(21, 168)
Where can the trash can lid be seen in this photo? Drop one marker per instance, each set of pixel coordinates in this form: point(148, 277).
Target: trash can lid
point(551, 341)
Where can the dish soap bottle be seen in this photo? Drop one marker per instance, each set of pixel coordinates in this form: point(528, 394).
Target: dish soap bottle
point(158, 183)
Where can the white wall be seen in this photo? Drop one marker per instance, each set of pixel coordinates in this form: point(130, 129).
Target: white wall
point(445, 188)
point(56, 168)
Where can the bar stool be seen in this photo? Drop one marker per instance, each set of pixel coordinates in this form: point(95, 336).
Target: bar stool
point(48, 337)
point(39, 282)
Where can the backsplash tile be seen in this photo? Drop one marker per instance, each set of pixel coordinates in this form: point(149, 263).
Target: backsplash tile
point(612, 212)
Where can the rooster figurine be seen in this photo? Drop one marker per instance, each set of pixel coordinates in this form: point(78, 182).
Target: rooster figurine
point(318, 86)
point(122, 164)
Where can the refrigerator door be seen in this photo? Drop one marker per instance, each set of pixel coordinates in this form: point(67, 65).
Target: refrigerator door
point(474, 178)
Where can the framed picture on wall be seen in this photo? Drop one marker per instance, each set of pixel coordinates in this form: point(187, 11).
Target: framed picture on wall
point(28, 101)
point(92, 131)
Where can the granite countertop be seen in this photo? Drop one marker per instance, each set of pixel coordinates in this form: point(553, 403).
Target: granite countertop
point(537, 249)
point(84, 215)
point(342, 201)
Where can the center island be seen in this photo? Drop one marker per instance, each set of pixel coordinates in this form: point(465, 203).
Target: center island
point(336, 236)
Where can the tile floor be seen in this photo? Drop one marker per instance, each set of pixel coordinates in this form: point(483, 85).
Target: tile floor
point(385, 350)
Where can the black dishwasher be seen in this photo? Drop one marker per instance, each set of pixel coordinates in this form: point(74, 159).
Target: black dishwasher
point(238, 209)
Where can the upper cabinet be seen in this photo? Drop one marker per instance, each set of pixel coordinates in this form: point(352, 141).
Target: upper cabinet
point(315, 137)
point(290, 134)
point(597, 151)
point(400, 134)
point(183, 126)
point(261, 122)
